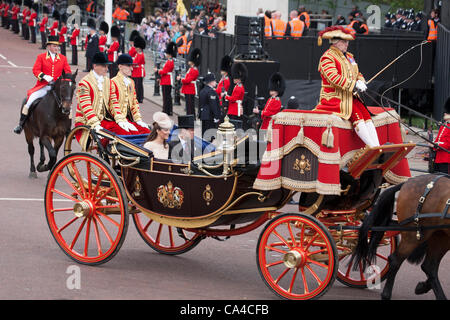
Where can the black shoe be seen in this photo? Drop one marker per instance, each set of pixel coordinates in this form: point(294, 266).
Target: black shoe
point(22, 120)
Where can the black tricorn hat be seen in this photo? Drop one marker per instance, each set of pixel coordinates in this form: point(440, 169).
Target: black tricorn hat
point(226, 63)
point(139, 42)
point(52, 40)
point(115, 32)
point(196, 56)
point(104, 27)
point(277, 83)
point(100, 58)
point(186, 122)
point(91, 24)
point(124, 59)
point(172, 49)
point(239, 71)
point(133, 35)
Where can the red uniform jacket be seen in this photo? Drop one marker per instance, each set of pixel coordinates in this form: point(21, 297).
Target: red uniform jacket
point(15, 12)
point(188, 82)
point(132, 52)
point(25, 14)
point(237, 95)
point(43, 24)
point(224, 83)
point(74, 37)
point(44, 65)
point(102, 43)
point(138, 65)
point(54, 28)
point(166, 73)
point(5, 10)
point(113, 51)
point(62, 34)
point(273, 106)
point(443, 140)
point(32, 20)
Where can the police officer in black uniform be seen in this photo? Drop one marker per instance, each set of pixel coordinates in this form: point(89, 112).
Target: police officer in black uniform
point(209, 109)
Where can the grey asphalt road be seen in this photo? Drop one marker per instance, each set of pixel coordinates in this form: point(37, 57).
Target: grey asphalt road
point(32, 266)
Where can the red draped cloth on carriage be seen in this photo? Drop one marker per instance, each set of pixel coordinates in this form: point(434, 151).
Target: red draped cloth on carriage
point(329, 138)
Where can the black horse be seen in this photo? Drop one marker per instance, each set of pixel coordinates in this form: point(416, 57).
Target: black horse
point(49, 120)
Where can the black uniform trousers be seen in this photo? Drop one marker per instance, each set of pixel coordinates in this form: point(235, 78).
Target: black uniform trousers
point(15, 26)
point(139, 85)
point(75, 55)
point(190, 104)
point(63, 48)
point(43, 39)
point(33, 34)
point(167, 99)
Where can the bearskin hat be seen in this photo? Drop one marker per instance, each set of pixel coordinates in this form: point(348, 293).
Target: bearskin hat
point(172, 49)
point(226, 63)
point(133, 35)
point(277, 83)
point(45, 10)
point(29, 3)
point(91, 24)
point(115, 32)
point(239, 71)
point(139, 42)
point(56, 15)
point(35, 7)
point(104, 27)
point(196, 56)
point(447, 106)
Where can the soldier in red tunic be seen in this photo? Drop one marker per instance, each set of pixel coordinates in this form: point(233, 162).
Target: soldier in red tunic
point(224, 83)
point(189, 86)
point(113, 51)
point(104, 29)
point(138, 73)
point(74, 43)
point(341, 80)
point(43, 27)
point(48, 67)
point(63, 36)
point(239, 74)
point(32, 22)
point(442, 161)
point(277, 85)
point(166, 78)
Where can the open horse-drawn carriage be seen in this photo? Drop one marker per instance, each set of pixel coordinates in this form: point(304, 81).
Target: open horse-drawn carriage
point(91, 194)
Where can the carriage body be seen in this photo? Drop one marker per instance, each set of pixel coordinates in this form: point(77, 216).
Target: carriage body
point(198, 199)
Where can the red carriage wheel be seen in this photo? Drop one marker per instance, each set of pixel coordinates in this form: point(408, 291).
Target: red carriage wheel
point(163, 238)
point(297, 257)
point(87, 214)
point(378, 270)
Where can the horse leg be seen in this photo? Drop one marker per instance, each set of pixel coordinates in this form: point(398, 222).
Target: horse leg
point(42, 156)
point(51, 153)
point(32, 174)
point(395, 260)
point(436, 251)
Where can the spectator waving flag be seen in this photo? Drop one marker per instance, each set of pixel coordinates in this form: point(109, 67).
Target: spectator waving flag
point(181, 9)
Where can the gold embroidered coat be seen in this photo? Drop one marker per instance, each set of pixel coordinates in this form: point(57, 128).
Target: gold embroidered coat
point(126, 96)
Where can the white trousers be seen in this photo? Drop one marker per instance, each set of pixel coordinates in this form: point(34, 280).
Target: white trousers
point(36, 95)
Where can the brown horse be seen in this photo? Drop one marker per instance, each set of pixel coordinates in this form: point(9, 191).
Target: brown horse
point(49, 121)
point(427, 239)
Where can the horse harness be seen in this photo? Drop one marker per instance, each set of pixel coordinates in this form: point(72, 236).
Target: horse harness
point(417, 215)
point(57, 99)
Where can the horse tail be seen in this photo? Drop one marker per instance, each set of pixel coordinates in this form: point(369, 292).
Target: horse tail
point(380, 215)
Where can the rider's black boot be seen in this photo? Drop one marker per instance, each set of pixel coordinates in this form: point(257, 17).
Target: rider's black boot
point(19, 128)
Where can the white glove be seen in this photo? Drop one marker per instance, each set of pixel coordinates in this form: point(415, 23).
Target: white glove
point(142, 124)
point(98, 127)
point(125, 125)
point(361, 86)
point(48, 78)
point(216, 120)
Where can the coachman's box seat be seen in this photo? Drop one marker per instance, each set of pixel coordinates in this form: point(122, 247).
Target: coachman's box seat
point(306, 150)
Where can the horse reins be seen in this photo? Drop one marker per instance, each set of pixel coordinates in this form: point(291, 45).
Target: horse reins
point(57, 99)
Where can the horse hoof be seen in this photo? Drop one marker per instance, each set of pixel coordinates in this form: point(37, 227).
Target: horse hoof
point(42, 168)
point(32, 175)
point(422, 288)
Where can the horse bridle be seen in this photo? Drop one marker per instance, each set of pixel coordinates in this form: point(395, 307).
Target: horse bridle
point(59, 101)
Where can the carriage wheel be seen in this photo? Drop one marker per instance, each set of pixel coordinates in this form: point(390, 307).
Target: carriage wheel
point(87, 216)
point(361, 279)
point(71, 145)
point(163, 238)
point(297, 257)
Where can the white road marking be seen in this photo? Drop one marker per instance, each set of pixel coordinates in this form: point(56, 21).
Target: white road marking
point(32, 199)
point(21, 67)
point(2, 56)
point(12, 64)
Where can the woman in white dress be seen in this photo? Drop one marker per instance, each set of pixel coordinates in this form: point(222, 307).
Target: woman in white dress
point(157, 139)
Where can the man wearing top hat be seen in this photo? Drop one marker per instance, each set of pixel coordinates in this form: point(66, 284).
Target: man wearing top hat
point(124, 88)
point(209, 108)
point(138, 73)
point(97, 105)
point(47, 68)
point(91, 44)
point(189, 86)
point(181, 146)
point(166, 80)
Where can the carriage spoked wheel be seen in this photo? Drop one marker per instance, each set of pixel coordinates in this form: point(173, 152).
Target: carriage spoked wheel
point(163, 238)
point(297, 257)
point(87, 217)
point(72, 145)
point(374, 272)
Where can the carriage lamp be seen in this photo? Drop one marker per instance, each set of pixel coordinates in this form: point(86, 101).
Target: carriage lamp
point(227, 135)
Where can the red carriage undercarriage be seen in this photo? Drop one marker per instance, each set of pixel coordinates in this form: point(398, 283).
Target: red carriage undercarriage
point(90, 194)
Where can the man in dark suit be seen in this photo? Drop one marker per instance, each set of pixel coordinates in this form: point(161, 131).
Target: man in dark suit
point(182, 148)
point(92, 44)
point(209, 109)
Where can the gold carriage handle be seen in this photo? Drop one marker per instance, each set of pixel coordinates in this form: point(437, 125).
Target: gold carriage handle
point(134, 160)
point(202, 167)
